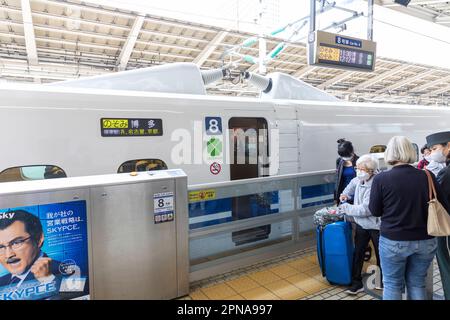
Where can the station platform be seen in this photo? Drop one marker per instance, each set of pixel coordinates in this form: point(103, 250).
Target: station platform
point(295, 276)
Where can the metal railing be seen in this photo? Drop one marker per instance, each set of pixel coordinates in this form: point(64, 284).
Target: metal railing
point(286, 203)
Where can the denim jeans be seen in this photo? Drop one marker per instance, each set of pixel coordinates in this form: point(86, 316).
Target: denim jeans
point(406, 263)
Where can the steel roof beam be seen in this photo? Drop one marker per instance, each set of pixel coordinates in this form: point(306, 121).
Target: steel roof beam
point(104, 36)
point(379, 77)
point(398, 84)
point(210, 48)
point(304, 71)
point(66, 4)
point(410, 10)
point(417, 2)
point(445, 89)
point(28, 29)
point(332, 81)
point(430, 84)
point(128, 47)
point(128, 15)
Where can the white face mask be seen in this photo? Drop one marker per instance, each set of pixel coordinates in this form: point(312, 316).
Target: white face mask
point(428, 158)
point(363, 176)
point(438, 156)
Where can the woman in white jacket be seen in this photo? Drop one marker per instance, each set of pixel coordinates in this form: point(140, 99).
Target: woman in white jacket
point(367, 226)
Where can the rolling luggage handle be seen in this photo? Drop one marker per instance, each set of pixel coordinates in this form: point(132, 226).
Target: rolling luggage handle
point(322, 256)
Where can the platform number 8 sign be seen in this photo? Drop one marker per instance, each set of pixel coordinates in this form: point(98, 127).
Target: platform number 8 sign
point(213, 126)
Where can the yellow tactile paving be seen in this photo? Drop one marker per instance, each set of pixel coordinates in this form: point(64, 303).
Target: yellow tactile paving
point(302, 265)
point(313, 259)
point(242, 284)
point(236, 297)
point(314, 272)
point(321, 279)
point(297, 279)
point(311, 285)
point(259, 294)
point(274, 285)
point(198, 295)
point(286, 290)
point(283, 271)
point(264, 277)
point(310, 267)
point(219, 292)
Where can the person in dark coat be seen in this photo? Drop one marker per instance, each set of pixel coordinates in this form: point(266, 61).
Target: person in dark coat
point(400, 197)
point(345, 167)
point(439, 144)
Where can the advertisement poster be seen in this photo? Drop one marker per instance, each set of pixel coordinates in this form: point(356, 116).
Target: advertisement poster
point(44, 252)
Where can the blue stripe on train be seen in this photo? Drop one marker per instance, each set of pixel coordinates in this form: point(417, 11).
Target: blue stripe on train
point(324, 193)
point(317, 190)
point(198, 209)
point(212, 207)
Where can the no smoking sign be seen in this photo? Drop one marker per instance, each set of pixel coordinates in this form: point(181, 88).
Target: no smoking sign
point(215, 168)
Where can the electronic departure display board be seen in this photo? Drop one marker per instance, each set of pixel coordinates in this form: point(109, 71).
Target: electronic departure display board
point(332, 50)
point(345, 57)
point(135, 127)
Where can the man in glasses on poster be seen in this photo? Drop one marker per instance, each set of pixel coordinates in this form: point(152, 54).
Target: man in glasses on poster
point(32, 274)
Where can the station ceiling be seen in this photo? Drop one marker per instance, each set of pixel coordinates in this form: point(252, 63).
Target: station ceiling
point(44, 41)
point(436, 11)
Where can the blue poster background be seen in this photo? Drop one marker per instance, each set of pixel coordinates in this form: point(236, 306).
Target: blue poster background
point(65, 242)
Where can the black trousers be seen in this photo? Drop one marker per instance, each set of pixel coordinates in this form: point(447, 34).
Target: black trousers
point(362, 238)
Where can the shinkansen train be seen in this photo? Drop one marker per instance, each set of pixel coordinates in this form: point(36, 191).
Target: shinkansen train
point(161, 118)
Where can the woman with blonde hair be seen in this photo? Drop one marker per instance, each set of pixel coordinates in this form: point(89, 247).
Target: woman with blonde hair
point(400, 197)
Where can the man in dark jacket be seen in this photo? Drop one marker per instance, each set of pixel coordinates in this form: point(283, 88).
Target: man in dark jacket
point(439, 144)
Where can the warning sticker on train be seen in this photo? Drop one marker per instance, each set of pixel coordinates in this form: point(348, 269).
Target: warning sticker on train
point(130, 127)
point(202, 195)
point(215, 168)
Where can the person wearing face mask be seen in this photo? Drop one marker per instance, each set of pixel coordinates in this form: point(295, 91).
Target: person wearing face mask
point(434, 166)
point(367, 227)
point(345, 167)
point(425, 151)
point(439, 144)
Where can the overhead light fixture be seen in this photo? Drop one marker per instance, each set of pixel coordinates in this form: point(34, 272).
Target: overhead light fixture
point(403, 2)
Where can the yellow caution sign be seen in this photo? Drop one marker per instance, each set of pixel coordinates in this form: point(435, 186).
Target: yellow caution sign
point(202, 195)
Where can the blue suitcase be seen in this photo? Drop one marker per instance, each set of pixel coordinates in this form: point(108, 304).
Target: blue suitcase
point(335, 252)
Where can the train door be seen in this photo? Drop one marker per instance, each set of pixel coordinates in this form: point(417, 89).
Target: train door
point(249, 152)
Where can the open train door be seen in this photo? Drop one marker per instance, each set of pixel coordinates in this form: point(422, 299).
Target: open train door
point(249, 149)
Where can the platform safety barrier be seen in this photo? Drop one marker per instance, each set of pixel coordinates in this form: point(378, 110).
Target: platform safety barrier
point(237, 223)
point(118, 236)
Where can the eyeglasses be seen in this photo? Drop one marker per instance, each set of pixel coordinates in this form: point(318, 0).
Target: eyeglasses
point(14, 245)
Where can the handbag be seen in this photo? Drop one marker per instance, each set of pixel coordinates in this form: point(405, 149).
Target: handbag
point(438, 224)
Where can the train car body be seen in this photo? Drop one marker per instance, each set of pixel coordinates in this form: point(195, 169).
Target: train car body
point(62, 127)
point(57, 131)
